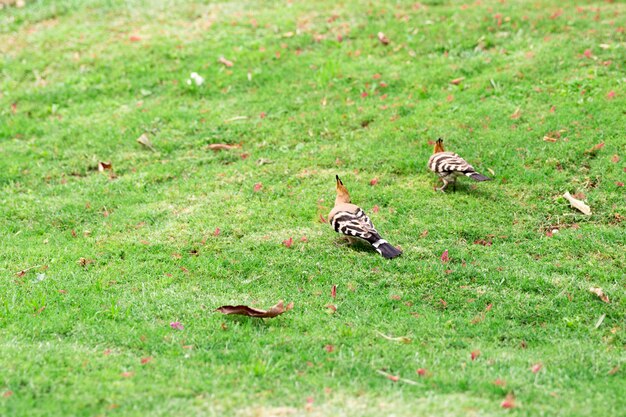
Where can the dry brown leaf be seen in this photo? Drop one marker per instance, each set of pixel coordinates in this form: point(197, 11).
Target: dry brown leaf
point(595, 148)
point(549, 139)
point(516, 114)
point(145, 141)
point(274, 311)
point(457, 81)
point(222, 147)
point(598, 291)
point(224, 61)
point(103, 166)
point(577, 204)
point(383, 39)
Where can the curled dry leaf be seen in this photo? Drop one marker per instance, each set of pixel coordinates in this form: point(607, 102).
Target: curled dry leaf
point(215, 147)
point(145, 141)
point(577, 204)
point(598, 291)
point(595, 148)
point(224, 61)
point(274, 311)
point(104, 166)
point(383, 39)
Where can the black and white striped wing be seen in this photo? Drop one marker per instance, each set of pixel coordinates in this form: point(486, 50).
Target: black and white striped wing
point(444, 163)
point(354, 224)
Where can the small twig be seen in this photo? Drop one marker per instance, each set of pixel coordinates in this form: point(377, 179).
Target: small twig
point(396, 378)
point(24, 271)
point(234, 119)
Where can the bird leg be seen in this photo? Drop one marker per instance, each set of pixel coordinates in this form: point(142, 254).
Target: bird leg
point(445, 184)
point(345, 240)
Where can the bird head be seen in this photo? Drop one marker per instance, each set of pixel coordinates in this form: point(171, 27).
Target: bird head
point(438, 146)
point(342, 192)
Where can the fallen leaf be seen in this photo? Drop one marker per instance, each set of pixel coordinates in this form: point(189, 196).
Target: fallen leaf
point(482, 242)
point(577, 204)
point(274, 311)
point(257, 187)
point(288, 242)
point(421, 371)
point(224, 61)
point(128, 374)
point(444, 256)
point(598, 291)
point(619, 183)
point(217, 231)
point(331, 307)
point(134, 38)
point(424, 234)
point(457, 81)
point(103, 166)
point(587, 53)
point(549, 139)
point(401, 339)
point(222, 147)
point(595, 148)
point(333, 291)
point(8, 393)
point(536, 368)
point(375, 209)
point(383, 39)
point(475, 354)
point(509, 401)
point(304, 239)
point(145, 141)
point(374, 181)
point(610, 95)
point(615, 159)
point(329, 348)
point(176, 325)
point(614, 370)
point(516, 114)
point(146, 360)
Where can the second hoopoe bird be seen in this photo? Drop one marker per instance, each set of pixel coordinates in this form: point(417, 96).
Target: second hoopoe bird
point(449, 165)
point(351, 220)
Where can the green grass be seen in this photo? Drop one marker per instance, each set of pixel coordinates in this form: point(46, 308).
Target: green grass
point(75, 89)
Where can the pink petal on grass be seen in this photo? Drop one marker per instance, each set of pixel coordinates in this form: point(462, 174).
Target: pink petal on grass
point(216, 232)
point(475, 354)
point(421, 371)
point(176, 325)
point(257, 187)
point(536, 368)
point(587, 53)
point(288, 242)
point(610, 95)
point(376, 209)
point(444, 256)
point(374, 181)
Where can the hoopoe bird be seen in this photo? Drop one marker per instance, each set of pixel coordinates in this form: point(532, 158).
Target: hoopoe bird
point(351, 220)
point(449, 165)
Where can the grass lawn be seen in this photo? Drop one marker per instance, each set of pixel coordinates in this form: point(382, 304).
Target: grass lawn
point(169, 234)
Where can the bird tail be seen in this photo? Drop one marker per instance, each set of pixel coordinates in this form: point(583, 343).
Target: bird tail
point(385, 249)
point(477, 177)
